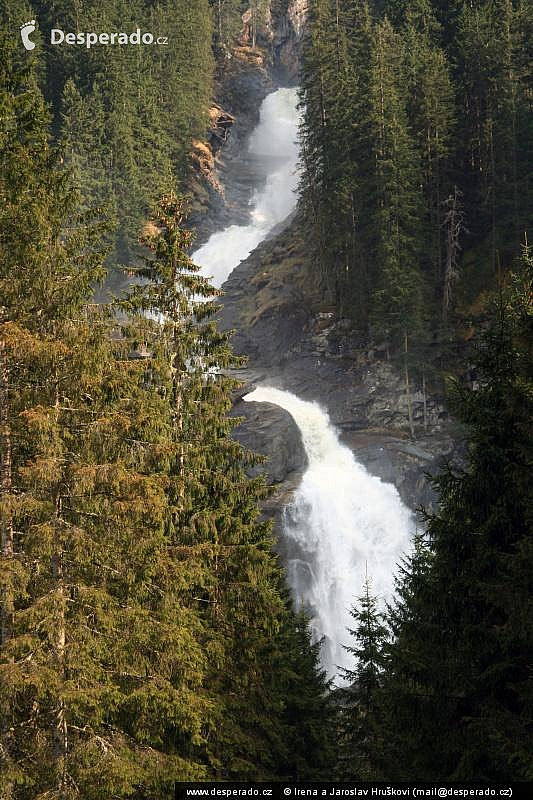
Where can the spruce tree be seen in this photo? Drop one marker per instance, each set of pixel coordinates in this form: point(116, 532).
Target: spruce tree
point(309, 746)
point(431, 112)
point(92, 678)
point(406, 710)
point(464, 637)
point(398, 291)
point(227, 570)
point(359, 715)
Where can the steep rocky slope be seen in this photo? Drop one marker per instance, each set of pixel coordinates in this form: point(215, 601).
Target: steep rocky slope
point(294, 342)
point(222, 179)
point(290, 335)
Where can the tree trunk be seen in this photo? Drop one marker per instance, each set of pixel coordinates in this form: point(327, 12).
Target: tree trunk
point(454, 222)
point(60, 730)
point(408, 393)
point(5, 489)
point(424, 395)
point(6, 536)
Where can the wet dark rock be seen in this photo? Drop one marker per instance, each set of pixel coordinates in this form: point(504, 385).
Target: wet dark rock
point(287, 330)
point(247, 75)
point(272, 432)
point(288, 20)
point(293, 342)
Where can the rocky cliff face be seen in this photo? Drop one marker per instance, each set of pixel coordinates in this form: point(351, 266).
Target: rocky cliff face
point(271, 431)
point(221, 180)
point(291, 337)
point(288, 24)
point(294, 342)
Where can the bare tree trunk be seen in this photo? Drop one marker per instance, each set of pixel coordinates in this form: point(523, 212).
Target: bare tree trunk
point(6, 536)
point(337, 37)
point(6, 522)
point(454, 223)
point(513, 114)
point(179, 426)
point(424, 395)
point(60, 731)
point(176, 370)
point(408, 393)
point(492, 196)
point(438, 212)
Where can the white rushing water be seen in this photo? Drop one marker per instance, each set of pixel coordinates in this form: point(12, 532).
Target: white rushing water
point(341, 518)
point(274, 144)
point(341, 521)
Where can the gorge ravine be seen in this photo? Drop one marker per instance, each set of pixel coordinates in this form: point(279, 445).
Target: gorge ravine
point(341, 522)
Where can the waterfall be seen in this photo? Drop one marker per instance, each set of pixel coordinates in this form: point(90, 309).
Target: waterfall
point(341, 518)
point(341, 521)
point(273, 146)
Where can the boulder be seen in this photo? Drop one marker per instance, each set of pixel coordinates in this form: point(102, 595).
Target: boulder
point(271, 431)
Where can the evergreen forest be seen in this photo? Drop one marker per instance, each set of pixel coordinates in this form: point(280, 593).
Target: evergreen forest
point(417, 163)
point(147, 634)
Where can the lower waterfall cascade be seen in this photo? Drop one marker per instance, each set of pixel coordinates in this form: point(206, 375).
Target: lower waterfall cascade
point(341, 523)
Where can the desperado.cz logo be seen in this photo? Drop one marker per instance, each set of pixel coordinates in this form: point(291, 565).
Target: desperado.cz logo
point(25, 31)
point(58, 36)
point(88, 39)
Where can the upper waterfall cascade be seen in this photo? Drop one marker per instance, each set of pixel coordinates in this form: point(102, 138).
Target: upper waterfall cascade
point(341, 522)
point(273, 144)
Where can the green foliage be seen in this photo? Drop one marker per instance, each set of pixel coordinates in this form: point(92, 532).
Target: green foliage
point(227, 19)
point(93, 675)
point(459, 675)
point(142, 607)
point(408, 105)
point(449, 697)
point(309, 715)
point(127, 114)
point(360, 735)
